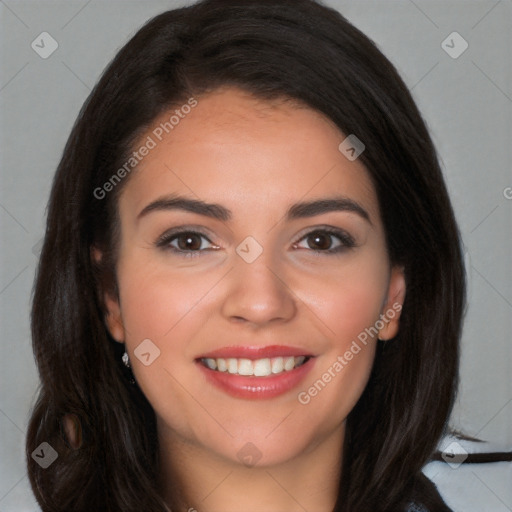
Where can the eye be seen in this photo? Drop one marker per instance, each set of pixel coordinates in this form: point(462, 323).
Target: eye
point(326, 240)
point(185, 242)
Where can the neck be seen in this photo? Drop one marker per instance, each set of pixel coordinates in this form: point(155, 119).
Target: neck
point(197, 479)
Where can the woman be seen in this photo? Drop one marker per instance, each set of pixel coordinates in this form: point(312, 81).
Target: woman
point(251, 289)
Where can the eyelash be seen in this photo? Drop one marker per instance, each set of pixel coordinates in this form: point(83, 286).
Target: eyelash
point(164, 242)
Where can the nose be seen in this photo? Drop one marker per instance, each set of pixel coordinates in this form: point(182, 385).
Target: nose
point(257, 294)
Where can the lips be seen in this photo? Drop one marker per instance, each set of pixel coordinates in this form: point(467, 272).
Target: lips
point(249, 352)
point(256, 372)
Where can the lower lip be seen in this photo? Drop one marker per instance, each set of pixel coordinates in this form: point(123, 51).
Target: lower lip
point(240, 386)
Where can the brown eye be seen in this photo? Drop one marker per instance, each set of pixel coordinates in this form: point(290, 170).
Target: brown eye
point(319, 241)
point(189, 242)
point(328, 241)
point(186, 243)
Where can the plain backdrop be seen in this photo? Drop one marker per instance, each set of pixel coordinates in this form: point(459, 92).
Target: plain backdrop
point(466, 101)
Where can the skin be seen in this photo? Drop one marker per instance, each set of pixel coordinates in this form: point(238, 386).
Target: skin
point(257, 159)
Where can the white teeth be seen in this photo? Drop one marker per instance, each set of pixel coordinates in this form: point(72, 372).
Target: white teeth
point(258, 368)
point(277, 365)
point(289, 363)
point(262, 367)
point(232, 365)
point(299, 360)
point(245, 367)
point(211, 363)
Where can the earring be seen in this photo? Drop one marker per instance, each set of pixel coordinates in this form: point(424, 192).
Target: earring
point(126, 360)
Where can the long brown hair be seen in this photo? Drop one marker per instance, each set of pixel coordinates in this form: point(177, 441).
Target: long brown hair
point(295, 49)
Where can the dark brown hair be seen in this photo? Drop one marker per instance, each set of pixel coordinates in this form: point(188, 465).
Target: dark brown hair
point(296, 49)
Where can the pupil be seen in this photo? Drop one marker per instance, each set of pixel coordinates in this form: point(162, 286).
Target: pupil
point(321, 241)
point(187, 242)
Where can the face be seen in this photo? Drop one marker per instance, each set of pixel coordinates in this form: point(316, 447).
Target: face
point(250, 244)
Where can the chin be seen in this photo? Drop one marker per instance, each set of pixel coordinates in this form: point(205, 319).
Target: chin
point(261, 450)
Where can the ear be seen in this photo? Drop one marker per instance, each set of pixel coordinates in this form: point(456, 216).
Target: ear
point(394, 302)
point(72, 430)
point(113, 318)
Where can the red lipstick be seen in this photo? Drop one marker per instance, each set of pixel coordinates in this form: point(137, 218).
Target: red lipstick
point(255, 352)
point(281, 369)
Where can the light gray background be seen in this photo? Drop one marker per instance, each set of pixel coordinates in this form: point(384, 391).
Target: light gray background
point(467, 103)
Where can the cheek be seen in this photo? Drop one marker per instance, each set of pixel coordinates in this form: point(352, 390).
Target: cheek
point(155, 298)
point(167, 307)
point(348, 300)
point(353, 312)
point(342, 372)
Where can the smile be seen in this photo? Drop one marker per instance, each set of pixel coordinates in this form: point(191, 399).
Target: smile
point(256, 372)
point(257, 368)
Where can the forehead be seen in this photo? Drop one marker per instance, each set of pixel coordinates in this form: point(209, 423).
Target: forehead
point(235, 149)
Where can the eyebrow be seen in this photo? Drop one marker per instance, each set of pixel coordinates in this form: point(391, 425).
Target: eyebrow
point(216, 211)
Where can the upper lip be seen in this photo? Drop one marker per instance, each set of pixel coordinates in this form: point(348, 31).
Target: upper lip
point(255, 352)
